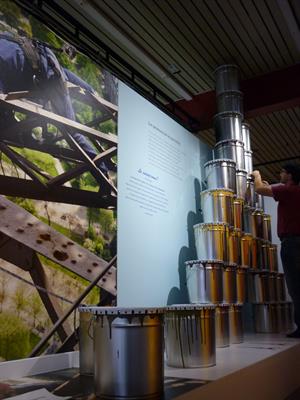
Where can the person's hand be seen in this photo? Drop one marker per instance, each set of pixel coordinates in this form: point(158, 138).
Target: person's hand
point(255, 173)
point(266, 183)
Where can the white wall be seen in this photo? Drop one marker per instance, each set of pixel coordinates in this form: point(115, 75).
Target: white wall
point(271, 208)
point(159, 183)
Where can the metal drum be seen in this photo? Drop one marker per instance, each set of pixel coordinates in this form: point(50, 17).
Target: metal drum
point(222, 325)
point(261, 287)
point(228, 125)
point(211, 241)
point(204, 281)
point(272, 286)
point(251, 296)
point(266, 317)
point(236, 331)
point(267, 234)
point(190, 337)
point(229, 283)
point(246, 250)
point(248, 220)
point(220, 174)
point(234, 246)
point(289, 310)
point(281, 317)
point(86, 343)
point(280, 287)
point(217, 205)
point(230, 101)
point(250, 193)
point(265, 255)
point(238, 206)
point(273, 258)
point(227, 78)
point(124, 340)
point(257, 253)
point(246, 136)
point(257, 224)
point(259, 202)
point(248, 161)
point(241, 284)
point(231, 149)
point(241, 183)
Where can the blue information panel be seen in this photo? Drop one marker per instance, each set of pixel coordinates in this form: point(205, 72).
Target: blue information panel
point(159, 183)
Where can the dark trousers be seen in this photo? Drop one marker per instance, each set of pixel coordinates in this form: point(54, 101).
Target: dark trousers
point(290, 256)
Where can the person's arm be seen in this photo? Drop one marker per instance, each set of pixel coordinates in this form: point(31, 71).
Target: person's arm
point(261, 187)
point(76, 80)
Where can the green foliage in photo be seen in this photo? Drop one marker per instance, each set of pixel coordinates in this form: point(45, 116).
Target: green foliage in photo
point(27, 204)
point(14, 337)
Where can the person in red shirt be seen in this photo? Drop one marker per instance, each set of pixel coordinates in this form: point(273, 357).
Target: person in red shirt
point(287, 194)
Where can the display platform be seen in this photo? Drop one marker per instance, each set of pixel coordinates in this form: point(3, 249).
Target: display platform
point(262, 367)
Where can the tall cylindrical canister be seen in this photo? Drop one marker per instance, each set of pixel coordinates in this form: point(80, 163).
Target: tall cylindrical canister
point(231, 149)
point(241, 284)
point(267, 234)
point(257, 223)
point(204, 281)
point(246, 250)
point(257, 253)
point(248, 161)
point(262, 287)
point(234, 245)
point(290, 315)
point(265, 254)
point(248, 220)
point(260, 203)
point(222, 325)
point(280, 287)
point(211, 241)
point(217, 205)
point(230, 101)
point(229, 283)
point(190, 337)
point(272, 286)
point(228, 125)
point(250, 193)
point(282, 316)
point(246, 136)
point(236, 331)
point(227, 78)
point(124, 340)
point(251, 294)
point(273, 258)
point(264, 317)
point(241, 183)
point(86, 343)
point(220, 174)
point(238, 206)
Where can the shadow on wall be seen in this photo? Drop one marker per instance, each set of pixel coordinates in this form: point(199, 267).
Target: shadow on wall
point(180, 295)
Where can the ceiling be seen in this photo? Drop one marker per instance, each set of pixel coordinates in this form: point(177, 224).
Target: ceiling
point(177, 44)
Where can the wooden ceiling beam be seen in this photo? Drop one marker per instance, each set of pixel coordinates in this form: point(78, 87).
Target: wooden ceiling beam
point(264, 94)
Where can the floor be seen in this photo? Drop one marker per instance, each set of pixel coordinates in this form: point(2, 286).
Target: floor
point(181, 383)
point(256, 347)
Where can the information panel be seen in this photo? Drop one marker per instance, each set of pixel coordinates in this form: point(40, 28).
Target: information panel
point(159, 182)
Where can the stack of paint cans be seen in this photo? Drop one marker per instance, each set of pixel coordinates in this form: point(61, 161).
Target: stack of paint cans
point(266, 286)
point(216, 277)
point(234, 242)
